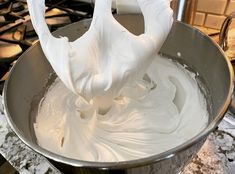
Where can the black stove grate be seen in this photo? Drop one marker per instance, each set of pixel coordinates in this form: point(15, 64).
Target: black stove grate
point(16, 29)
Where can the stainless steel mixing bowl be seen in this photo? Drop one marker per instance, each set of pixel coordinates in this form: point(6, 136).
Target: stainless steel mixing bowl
point(29, 76)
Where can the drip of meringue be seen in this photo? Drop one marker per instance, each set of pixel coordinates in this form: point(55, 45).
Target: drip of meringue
point(98, 64)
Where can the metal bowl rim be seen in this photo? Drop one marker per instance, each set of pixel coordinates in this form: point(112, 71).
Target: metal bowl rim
point(132, 163)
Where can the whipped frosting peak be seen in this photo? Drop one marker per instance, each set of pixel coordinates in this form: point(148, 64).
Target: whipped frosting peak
point(100, 62)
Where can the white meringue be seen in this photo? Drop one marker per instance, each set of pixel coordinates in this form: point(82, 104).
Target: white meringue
point(149, 117)
point(99, 63)
point(104, 68)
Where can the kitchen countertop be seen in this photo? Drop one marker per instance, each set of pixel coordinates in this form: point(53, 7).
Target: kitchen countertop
point(217, 155)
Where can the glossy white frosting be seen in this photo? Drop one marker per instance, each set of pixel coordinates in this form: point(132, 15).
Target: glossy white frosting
point(99, 63)
point(148, 117)
point(104, 69)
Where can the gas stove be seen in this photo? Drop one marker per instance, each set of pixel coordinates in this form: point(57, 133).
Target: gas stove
point(17, 33)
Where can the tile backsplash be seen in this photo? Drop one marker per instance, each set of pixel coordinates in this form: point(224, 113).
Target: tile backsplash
point(211, 13)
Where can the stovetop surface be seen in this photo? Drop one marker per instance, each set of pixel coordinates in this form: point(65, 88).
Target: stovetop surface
point(17, 33)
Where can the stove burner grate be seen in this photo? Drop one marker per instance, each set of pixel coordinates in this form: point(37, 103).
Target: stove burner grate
point(4, 3)
point(17, 33)
point(17, 7)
